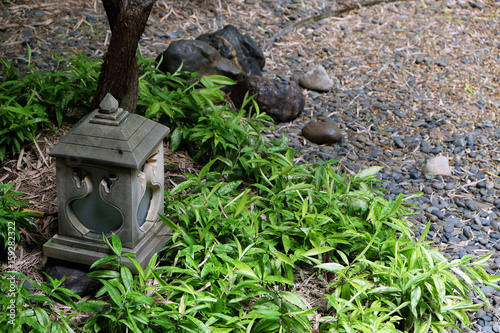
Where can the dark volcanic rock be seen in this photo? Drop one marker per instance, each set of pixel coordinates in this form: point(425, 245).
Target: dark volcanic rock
point(197, 56)
point(283, 102)
point(76, 278)
point(322, 132)
point(241, 49)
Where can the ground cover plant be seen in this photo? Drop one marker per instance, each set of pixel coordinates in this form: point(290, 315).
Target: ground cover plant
point(244, 227)
point(13, 217)
point(30, 99)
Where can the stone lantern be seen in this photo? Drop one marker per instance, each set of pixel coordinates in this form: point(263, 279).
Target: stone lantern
point(109, 171)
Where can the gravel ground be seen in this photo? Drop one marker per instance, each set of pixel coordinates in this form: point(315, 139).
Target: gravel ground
point(413, 80)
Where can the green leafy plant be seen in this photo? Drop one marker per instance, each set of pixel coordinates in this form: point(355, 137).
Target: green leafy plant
point(31, 99)
point(20, 117)
point(380, 278)
point(12, 217)
point(36, 308)
point(128, 308)
point(200, 118)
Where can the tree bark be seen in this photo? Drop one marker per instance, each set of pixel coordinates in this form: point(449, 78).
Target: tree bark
point(119, 72)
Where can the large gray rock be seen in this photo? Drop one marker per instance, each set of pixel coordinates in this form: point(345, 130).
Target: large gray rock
point(283, 102)
point(321, 132)
point(197, 56)
point(316, 79)
point(239, 48)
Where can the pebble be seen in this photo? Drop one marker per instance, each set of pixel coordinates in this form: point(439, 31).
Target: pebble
point(449, 186)
point(470, 205)
point(316, 79)
point(467, 231)
point(399, 143)
point(476, 5)
point(436, 212)
point(442, 62)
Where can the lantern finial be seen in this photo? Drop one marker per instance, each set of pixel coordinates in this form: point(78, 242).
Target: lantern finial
point(109, 104)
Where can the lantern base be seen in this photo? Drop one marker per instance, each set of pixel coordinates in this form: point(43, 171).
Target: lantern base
point(86, 252)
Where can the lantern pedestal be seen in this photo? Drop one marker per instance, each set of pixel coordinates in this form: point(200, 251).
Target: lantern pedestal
point(87, 252)
point(110, 180)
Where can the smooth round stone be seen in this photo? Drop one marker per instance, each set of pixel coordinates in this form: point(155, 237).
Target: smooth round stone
point(427, 190)
point(476, 227)
point(449, 186)
point(374, 152)
point(471, 205)
point(487, 290)
point(438, 185)
point(467, 231)
point(399, 143)
point(414, 174)
point(321, 132)
point(483, 241)
point(439, 214)
point(425, 147)
point(448, 228)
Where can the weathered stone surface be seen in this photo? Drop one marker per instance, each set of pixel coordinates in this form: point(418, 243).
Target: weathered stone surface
point(282, 102)
point(438, 165)
point(321, 132)
point(239, 48)
point(109, 103)
point(316, 79)
point(197, 56)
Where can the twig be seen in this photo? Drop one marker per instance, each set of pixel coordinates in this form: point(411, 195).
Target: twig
point(331, 13)
point(20, 159)
point(40, 152)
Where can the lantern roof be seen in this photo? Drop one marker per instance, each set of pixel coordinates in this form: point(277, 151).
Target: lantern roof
point(111, 136)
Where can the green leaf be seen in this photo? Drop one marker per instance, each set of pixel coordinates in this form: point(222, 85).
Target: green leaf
point(176, 138)
point(317, 250)
point(106, 260)
point(182, 186)
point(152, 110)
point(439, 284)
point(293, 299)
point(297, 187)
point(368, 172)
point(117, 245)
point(415, 298)
point(91, 306)
point(244, 269)
point(127, 278)
point(242, 203)
point(220, 79)
point(113, 292)
point(43, 317)
point(331, 267)
point(286, 242)
point(110, 274)
point(469, 88)
point(206, 168)
point(227, 188)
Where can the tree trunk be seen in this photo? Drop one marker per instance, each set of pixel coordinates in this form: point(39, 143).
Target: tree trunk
point(119, 72)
